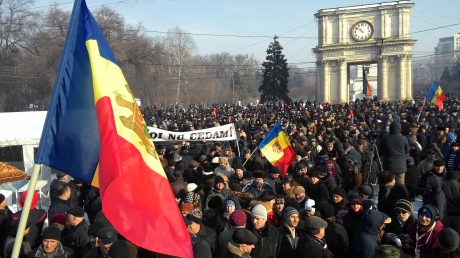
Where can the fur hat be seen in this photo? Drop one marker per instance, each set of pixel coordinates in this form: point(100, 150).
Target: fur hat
point(438, 163)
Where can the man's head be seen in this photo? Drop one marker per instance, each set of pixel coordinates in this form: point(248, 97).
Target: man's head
point(274, 172)
point(431, 155)
point(106, 237)
point(314, 175)
point(288, 182)
point(61, 176)
point(59, 221)
point(449, 239)
point(119, 249)
point(427, 215)
point(227, 151)
point(279, 204)
point(75, 215)
point(300, 168)
point(438, 166)
point(315, 226)
point(403, 210)
point(299, 193)
point(291, 217)
point(50, 239)
point(244, 239)
point(223, 162)
point(219, 183)
point(3, 202)
point(63, 191)
point(259, 216)
point(93, 231)
point(195, 218)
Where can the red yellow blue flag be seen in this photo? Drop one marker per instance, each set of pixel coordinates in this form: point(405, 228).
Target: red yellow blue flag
point(367, 91)
point(435, 95)
point(94, 123)
point(277, 149)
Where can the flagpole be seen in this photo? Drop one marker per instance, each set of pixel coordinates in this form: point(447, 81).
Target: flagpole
point(251, 155)
point(25, 211)
point(421, 110)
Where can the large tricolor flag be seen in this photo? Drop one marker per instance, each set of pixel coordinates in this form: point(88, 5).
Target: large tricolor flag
point(277, 149)
point(93, 122)
point(367, 91)
point(435, 95)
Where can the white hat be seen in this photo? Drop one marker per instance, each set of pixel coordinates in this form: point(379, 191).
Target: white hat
point(215, 160)
point(190, 187)
point(309, 205)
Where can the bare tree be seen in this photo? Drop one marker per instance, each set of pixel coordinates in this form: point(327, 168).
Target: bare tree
point(181, 47)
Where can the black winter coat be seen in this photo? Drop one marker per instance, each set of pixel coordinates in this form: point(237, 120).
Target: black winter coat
point(58, 206)
point(411, 179)
point(77, 238)
point(394, 148)
point(387, 204)
point(206, 234)
point(436, 197)
point(318, 192)
point(311, 248)
point(288, 245)
point(337, 239)
point(269, 242)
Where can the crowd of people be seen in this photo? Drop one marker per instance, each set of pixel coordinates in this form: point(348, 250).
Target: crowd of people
point(359, 169)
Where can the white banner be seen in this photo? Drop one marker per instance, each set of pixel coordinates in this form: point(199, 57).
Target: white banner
point(220, 133)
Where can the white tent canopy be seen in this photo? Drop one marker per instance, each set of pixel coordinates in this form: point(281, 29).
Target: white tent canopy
point(23, 129)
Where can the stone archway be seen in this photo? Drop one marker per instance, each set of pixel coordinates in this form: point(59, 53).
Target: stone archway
point(374, 33)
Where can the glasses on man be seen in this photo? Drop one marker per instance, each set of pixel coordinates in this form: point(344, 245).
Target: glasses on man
point(401, 212)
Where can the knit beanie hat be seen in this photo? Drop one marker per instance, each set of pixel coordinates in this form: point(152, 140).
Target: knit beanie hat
point(238, 218)
point(191, 197)
point(449, 239)
point(339, 191)
point(404, 205)
point(229, 202)
point(119, 249)
point(219, 179)
point(429, 211)
point(288, 211)
point(51, 233)
point(201, 250)
point(259, 211)
point(59, 218)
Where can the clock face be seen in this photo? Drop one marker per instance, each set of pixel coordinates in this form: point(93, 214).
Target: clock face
point(362, 31)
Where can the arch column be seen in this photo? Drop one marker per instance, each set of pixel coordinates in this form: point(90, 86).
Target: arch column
point(342, 81)
point(409, 77)
point(327, 81)
point(402, 76)
point(383, 78)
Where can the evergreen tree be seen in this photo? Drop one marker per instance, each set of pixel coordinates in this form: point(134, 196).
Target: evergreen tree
point(446, 75)
point(275, 79)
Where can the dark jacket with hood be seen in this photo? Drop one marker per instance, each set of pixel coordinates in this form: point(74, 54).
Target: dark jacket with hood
point(451, 189)
point(269, 241)
point(394, 148)
point(365, 240)
point(436, 196)
point(222, 220)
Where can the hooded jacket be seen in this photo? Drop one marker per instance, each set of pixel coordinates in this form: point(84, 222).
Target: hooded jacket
point(365, 240)
point(436, 196)
point(394, 148)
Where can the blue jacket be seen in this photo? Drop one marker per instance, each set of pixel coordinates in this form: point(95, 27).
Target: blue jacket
point(365, 240)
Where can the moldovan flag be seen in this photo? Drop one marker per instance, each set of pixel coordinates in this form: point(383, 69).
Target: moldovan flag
point(277, 149)
point(367, 91)
point(93, 122)
point(435, 95)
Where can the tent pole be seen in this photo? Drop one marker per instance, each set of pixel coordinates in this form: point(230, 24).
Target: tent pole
point(25, 211)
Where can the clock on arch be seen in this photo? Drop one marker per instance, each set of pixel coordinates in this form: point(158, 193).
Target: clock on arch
point(362, 31)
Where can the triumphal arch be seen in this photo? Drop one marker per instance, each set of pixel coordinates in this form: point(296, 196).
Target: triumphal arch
point(365, 34)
